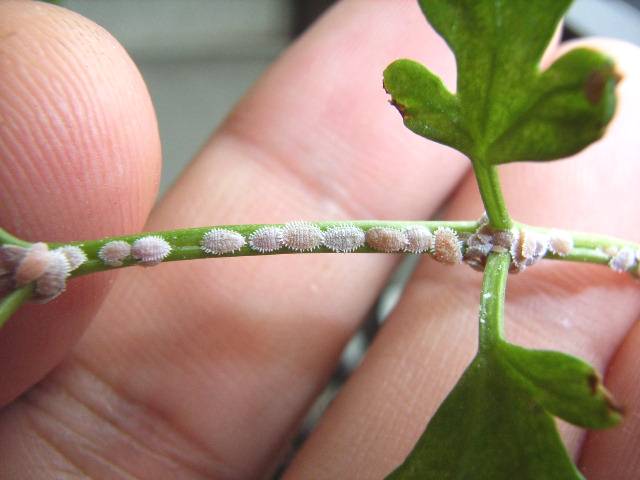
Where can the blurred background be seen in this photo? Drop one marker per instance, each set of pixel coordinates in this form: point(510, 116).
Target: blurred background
point(198, 57)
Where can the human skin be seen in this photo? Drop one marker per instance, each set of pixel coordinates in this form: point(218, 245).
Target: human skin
point(204, 369)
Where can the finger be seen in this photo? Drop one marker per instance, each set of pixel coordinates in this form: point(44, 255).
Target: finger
point(80, 159)
point(431, 337)
point(230, 352)
point(614, 453)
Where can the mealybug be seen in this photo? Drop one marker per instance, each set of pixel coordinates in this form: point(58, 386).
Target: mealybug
point(528, 248)
point(113, 253)
point(560, 243)
point(344, 238)
point(75, 255)
point(447, 247)
point(54, 279)
point(266, 239)
point(150, 250)
point(418, 239)
point(33, 264)
point(301, 236)
point(385, 239)
point(623, 260)
point(219, 241)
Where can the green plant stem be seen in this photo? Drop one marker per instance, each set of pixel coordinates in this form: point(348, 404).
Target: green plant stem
point(492, 297)
point(6, 237)
point(491, 193)
point(185, 244)
point(588, 247)
point(13, 301)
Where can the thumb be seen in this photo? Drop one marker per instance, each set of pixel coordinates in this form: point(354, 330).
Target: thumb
point(79, 158)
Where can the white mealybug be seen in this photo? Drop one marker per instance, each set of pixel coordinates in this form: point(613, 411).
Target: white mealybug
point(301, 236)
point(219, 241)
point(418, 239)
point(447, 247)
point(33, 264)
point(344, 238)
point(113, 253)
point(266, 239)
point(150, 250)
point(623, 260)
point(560, 243)
point(385, 239)
point(528, 249)
point(54, 279)
point(75, 255)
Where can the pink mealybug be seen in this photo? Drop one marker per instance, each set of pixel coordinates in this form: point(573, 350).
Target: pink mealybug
point(529, 247)
point(301, 236)
point(418, 239)
point(150, 250)
point(344, 238)
point(33, 264)
point(219, 241)
point(447, 247)
point(114, 253)
point(54, 279)
point(560, 243)
point(386, 239)
point(266, 239)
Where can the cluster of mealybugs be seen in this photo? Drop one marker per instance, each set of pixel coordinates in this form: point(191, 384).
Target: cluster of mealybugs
point(49, 269)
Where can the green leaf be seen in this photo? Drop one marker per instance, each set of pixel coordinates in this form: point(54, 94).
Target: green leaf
point(496, 425)
point(567, 109)
point(563, 385)
point(505, 108)
point(427, 107)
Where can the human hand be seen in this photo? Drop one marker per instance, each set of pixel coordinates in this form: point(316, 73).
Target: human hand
point(204, 369)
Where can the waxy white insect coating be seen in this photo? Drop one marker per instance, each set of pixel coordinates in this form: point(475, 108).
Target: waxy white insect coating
point(560, 243)
point(386, 239)
point(344, 238)
point(33, 265)
point(302, 236)
point(418, 239)
point(75, 255)
point(266, 239)
point(447, 247)
point(54, 279)
point(623, 260)
point(529, 247)
point(219, 241)
point(114, 253)
point(150, 250)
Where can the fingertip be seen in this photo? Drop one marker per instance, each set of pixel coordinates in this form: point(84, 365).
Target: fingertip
point(79, 158)
point(78, 140)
